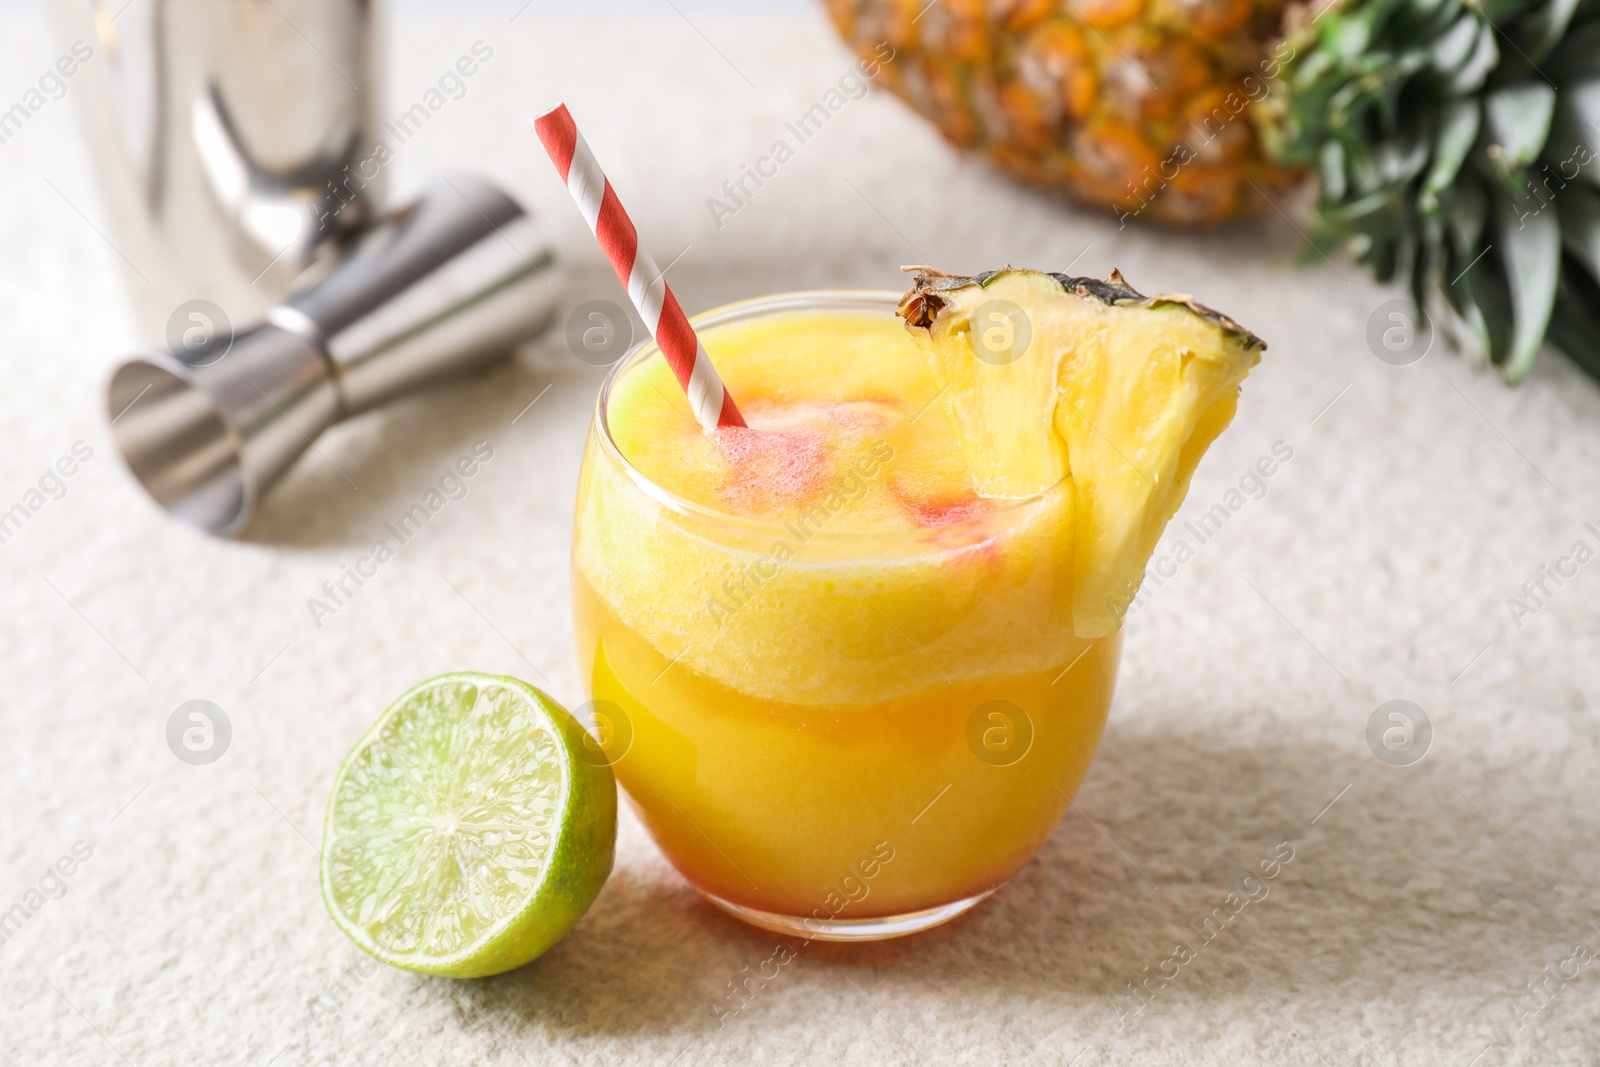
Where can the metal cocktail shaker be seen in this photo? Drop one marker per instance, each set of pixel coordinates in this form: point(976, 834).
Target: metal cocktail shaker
point(232, 140)
point(238, 147)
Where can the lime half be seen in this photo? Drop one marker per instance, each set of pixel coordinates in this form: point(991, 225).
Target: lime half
point(466, 833)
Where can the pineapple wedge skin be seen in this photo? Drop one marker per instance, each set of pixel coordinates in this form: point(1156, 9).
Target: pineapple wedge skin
point(1120, 392)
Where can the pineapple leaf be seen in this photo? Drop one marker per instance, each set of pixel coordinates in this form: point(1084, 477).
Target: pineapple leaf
point(1348, 39)
point(1493, 298)
point(1471, 74)
point(1469, 210)
point(1332, 169)
point(1398, 164)
point(1353, 214)
point(1430, 18)
point(1580, 227)
point(1425, 255)
point(1577, 57)
point(1580, 104)
point(1456, 45)
point(1530, 240)
point(1458, 130)
point(1571, 154)
point(1499, 12)
point(1519, 121)
point(1540, 34)
point(1463, 318)
point(1383, 257)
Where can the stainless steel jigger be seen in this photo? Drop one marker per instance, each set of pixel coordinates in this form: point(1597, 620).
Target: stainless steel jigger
point(443, 285)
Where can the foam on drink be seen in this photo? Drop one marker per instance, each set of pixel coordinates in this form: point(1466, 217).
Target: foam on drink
point(821, 392)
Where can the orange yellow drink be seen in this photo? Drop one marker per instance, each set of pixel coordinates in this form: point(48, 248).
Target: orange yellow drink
point(841, 688)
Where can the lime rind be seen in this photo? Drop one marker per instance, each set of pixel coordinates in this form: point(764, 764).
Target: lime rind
point(464, 836)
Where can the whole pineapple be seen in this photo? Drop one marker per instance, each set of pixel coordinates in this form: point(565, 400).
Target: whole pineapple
point(1143, 106)
point(1456, 143)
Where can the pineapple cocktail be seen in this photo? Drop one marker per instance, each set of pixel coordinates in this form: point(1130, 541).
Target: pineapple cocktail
point(840, 657)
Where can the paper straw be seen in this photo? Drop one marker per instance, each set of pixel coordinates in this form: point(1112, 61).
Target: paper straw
point(635, 268)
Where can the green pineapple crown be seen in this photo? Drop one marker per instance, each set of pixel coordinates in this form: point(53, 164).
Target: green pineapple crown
point(1458, 146)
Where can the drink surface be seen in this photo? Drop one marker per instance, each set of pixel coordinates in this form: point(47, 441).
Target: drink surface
point(827, 395)
point(819, 647)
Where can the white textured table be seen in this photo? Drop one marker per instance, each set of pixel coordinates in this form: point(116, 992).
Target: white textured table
point(1420, 902)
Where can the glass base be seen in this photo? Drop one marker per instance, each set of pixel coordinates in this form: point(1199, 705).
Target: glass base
point(876, 929)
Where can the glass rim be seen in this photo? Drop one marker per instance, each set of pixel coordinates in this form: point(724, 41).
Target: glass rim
point(798, 300)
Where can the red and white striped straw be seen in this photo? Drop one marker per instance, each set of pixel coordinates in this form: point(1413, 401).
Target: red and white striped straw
point(635, 268)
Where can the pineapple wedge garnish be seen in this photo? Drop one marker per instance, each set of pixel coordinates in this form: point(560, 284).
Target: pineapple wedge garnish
point(1046, 376)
